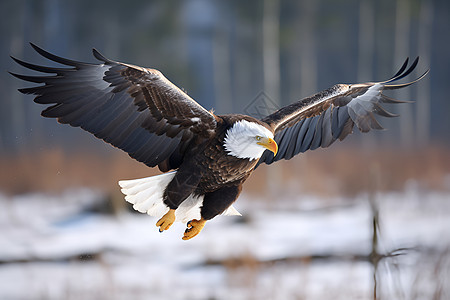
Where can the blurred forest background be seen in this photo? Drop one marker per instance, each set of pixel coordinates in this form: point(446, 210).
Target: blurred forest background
point(227, 55)
point(367, 218)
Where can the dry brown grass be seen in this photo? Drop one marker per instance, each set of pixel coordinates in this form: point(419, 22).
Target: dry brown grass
point(338, 171)
point(56, 170)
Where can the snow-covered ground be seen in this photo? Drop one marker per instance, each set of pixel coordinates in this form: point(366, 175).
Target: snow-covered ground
point(52, 247)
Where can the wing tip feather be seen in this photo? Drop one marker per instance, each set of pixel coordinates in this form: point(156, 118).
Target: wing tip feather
point(100, 56)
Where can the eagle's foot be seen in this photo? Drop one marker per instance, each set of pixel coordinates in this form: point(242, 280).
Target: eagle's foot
point(193, 228)
point(166, 221)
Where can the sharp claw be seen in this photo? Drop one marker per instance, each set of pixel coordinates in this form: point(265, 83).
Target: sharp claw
point(193, 228)
point(166, 221)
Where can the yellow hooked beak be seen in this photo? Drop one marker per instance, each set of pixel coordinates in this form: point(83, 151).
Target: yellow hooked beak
point(269, 144)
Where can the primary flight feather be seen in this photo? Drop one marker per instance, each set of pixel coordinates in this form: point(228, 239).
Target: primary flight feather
point(206, 157)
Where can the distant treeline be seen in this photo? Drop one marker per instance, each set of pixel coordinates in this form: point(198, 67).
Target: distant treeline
point(226, 53)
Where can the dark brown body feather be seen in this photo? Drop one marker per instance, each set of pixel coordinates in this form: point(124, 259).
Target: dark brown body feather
point(208, 170)
point(218, 167)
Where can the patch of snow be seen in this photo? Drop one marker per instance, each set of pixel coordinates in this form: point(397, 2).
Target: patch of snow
point(134, 260)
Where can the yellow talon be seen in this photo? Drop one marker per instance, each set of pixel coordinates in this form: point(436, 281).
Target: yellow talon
point(166, 221)
point(193, 228)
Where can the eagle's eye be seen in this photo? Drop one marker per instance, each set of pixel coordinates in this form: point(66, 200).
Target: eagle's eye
point(258, 138)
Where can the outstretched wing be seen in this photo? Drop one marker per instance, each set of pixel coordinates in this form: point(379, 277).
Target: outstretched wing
point(321, 119)
point(133, 108)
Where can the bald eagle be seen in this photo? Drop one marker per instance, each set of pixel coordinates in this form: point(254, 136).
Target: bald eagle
point(205, 158)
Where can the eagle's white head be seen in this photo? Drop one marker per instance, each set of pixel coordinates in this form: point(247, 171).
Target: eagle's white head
point(249, 140)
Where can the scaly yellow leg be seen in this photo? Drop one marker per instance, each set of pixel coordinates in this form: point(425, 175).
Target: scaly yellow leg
point(193, 228)
point(166, 221)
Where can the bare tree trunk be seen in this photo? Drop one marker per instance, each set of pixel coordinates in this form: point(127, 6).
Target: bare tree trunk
point(242, 74)
point(305, 71)
point(423, 92)
point(112, 30)
point(293, 68)
point(401, 50)
point(271, 65)
point(271, 48)
point(222, 77)
point(366, 38)
point(366, 45)
point(15, 136)
point(308, 61)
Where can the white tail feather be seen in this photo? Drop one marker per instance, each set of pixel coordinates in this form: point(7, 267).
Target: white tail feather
point(146, 195)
